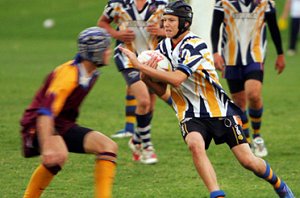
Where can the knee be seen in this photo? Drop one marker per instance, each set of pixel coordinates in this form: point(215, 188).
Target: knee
point(55, 159)
point(196, 148)
point(111, 146)
point(114, 147)
point(254, 97)
point(144, 104)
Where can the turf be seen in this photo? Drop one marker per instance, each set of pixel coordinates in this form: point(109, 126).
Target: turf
point(28, 52)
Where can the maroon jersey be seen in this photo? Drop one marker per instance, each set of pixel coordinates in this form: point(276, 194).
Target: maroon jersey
point(60, 96)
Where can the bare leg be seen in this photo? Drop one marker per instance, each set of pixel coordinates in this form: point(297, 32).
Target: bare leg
point(203, 165)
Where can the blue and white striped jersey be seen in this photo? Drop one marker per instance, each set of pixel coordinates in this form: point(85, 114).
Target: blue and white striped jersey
point(244, 30)
point(125, 15)
point(201, 94)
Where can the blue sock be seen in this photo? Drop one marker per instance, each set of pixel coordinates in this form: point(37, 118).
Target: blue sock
point(217, 193)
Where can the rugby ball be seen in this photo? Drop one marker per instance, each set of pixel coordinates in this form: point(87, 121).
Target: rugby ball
point(163, 63)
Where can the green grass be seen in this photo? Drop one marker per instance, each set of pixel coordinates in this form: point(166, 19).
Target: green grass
point(28, 52)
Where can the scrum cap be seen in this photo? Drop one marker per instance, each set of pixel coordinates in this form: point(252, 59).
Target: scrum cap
point(92, 42)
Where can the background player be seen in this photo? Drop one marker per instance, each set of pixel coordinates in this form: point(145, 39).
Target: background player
point(49, 124)
point(139, 30)
point(243, 54)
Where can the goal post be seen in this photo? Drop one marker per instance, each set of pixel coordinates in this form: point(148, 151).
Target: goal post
point(202, 19)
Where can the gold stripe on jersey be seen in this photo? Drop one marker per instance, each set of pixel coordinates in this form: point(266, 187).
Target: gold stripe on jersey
point(244, 30)
point(212, 100)
point(230, 27)
point(179, 102)
point(201, 94)
point(63, 83)
point(256, 47)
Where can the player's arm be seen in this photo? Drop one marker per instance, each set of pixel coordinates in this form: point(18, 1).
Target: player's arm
point(159, 88)
point(286, 10)
point(175, 78)
point(218, 17)
point(275, 34)
point(274, 31)
point(62, 84)
point(282, 22)
point(121, 35)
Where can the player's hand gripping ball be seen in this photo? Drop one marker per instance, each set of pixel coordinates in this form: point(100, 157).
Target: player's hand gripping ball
point(163, 63)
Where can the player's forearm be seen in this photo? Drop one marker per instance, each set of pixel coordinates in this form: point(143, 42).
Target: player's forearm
point(45, 128)
point(286, 9)
point(172, 78)
point(158, 88)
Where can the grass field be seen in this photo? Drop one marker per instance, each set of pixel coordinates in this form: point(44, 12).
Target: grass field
point(28, 52)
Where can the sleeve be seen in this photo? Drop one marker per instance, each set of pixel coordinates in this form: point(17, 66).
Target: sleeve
point(62, 85)
point(218, 17)
point(270, 17)
point(191, 57)
point(110, 10)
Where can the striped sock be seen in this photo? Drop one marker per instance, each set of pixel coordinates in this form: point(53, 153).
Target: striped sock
point(144, 128)
point(272, 178)
point(245, 122)
point(255, 117)
point(130, 107)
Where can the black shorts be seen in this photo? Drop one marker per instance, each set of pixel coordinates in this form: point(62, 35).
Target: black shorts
point(73, 139)
point(222, 130)
point(236, 76)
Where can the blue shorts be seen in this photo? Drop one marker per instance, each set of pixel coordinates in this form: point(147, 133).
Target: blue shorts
point(237, 75)
point(131, 75)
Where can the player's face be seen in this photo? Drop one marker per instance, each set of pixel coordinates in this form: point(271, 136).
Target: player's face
point(170, 25)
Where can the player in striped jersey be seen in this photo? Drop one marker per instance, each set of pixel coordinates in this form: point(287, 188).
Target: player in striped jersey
point(138, 28)
point(204, 110)
point(243, 54)
point(49, 125)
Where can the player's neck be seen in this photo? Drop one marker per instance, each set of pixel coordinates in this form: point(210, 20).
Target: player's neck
point(177, 40)
point(89, 67)
point(140, 4)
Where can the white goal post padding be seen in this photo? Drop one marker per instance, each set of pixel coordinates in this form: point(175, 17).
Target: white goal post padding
point(202, 19)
